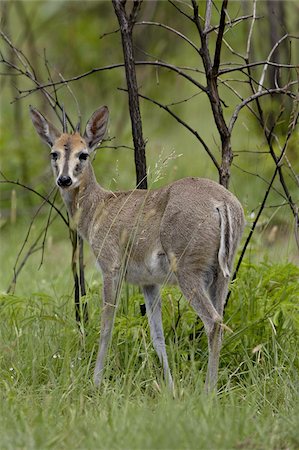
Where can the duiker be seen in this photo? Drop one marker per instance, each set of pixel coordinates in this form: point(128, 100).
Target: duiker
point(185, 233)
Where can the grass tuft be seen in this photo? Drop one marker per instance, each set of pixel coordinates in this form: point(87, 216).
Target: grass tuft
point(48, 399)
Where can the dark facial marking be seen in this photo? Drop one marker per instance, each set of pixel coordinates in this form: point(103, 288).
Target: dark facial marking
point(54, 157)
point(77, 169)
point(55, 166)
point(67, 145)
point(67, 149)
point(83, 156)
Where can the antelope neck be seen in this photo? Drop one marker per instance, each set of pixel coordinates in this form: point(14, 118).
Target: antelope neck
point(82, 200)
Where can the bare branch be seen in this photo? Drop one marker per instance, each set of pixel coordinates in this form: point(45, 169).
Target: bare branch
point(268, 60)
point(182, 122)
point(294, 174)
point(251, 30)
point(74, 97)
point(296, 226)
point(82, 279)
point(232, 22)
point(29, 229)
point(74, 240)
point(208, 16)
point(114, 66)
point(172, 30)
point(46, 230)
point(184, 100)
point(257, 95)
point(29, 72)
point(219, 38)
point(279, 159)
point(50, 75)
point(33, 249)
point(238, 94)
point(116, 147)
point(109, 33)
point(233, 52)
point(195, 19)
point(134, 12)
point(20, 56)
point(255, 64)
point(46, 199)
point(31, 76)
point(257, 175)
point(268, 137)
point(18, 267)
point(180, 10)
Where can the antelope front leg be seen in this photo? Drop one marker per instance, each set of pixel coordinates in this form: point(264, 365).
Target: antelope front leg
point(110, 294)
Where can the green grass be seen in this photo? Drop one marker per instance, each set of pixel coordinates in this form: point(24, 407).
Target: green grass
point(48, 399)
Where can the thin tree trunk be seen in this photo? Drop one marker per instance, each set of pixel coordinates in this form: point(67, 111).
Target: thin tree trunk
point(126, 23)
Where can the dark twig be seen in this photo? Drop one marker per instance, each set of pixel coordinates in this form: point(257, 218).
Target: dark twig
point(46, 230)
point(256, 64)
point(29, 72)
point(46, 199)
point(109, 33)
point(232, 22)
point(172, 30)
point(50, 75)
point(254, 97)
point(18, 267)
point(182, 122)
point(116, 147)
point(27, 235)
point(111, 67)
point(180, 10)
point(33, 249)
point(279, 160)
point(74, 240)
point(211, 71)
point(257, 175)
point(219, 38)
point(82, 280)
point(268, 136)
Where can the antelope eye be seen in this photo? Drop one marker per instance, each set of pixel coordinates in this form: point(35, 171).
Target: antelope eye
point(83, 156)
point(54, 156)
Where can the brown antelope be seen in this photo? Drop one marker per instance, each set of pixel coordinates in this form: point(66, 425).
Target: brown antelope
point(185, 233)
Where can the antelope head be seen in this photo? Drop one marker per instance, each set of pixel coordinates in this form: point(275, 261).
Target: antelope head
point(70, 151)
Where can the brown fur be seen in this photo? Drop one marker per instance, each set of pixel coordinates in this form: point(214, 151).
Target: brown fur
point(74, 142)
point(185, 233)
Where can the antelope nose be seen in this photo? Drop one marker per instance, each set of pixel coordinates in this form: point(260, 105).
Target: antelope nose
point(64, 181)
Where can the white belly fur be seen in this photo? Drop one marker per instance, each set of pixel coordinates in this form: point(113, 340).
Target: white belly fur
point(154, 269)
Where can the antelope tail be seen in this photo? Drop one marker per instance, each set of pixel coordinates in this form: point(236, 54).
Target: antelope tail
point(227, 245)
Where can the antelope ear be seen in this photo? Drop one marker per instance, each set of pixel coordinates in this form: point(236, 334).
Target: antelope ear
point(46, 131)
point(96, 127)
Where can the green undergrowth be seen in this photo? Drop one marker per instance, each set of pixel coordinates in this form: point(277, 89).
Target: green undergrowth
point(48, 399)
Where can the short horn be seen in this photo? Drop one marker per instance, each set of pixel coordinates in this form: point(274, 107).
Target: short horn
point(64, 123)
point(78, 126)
